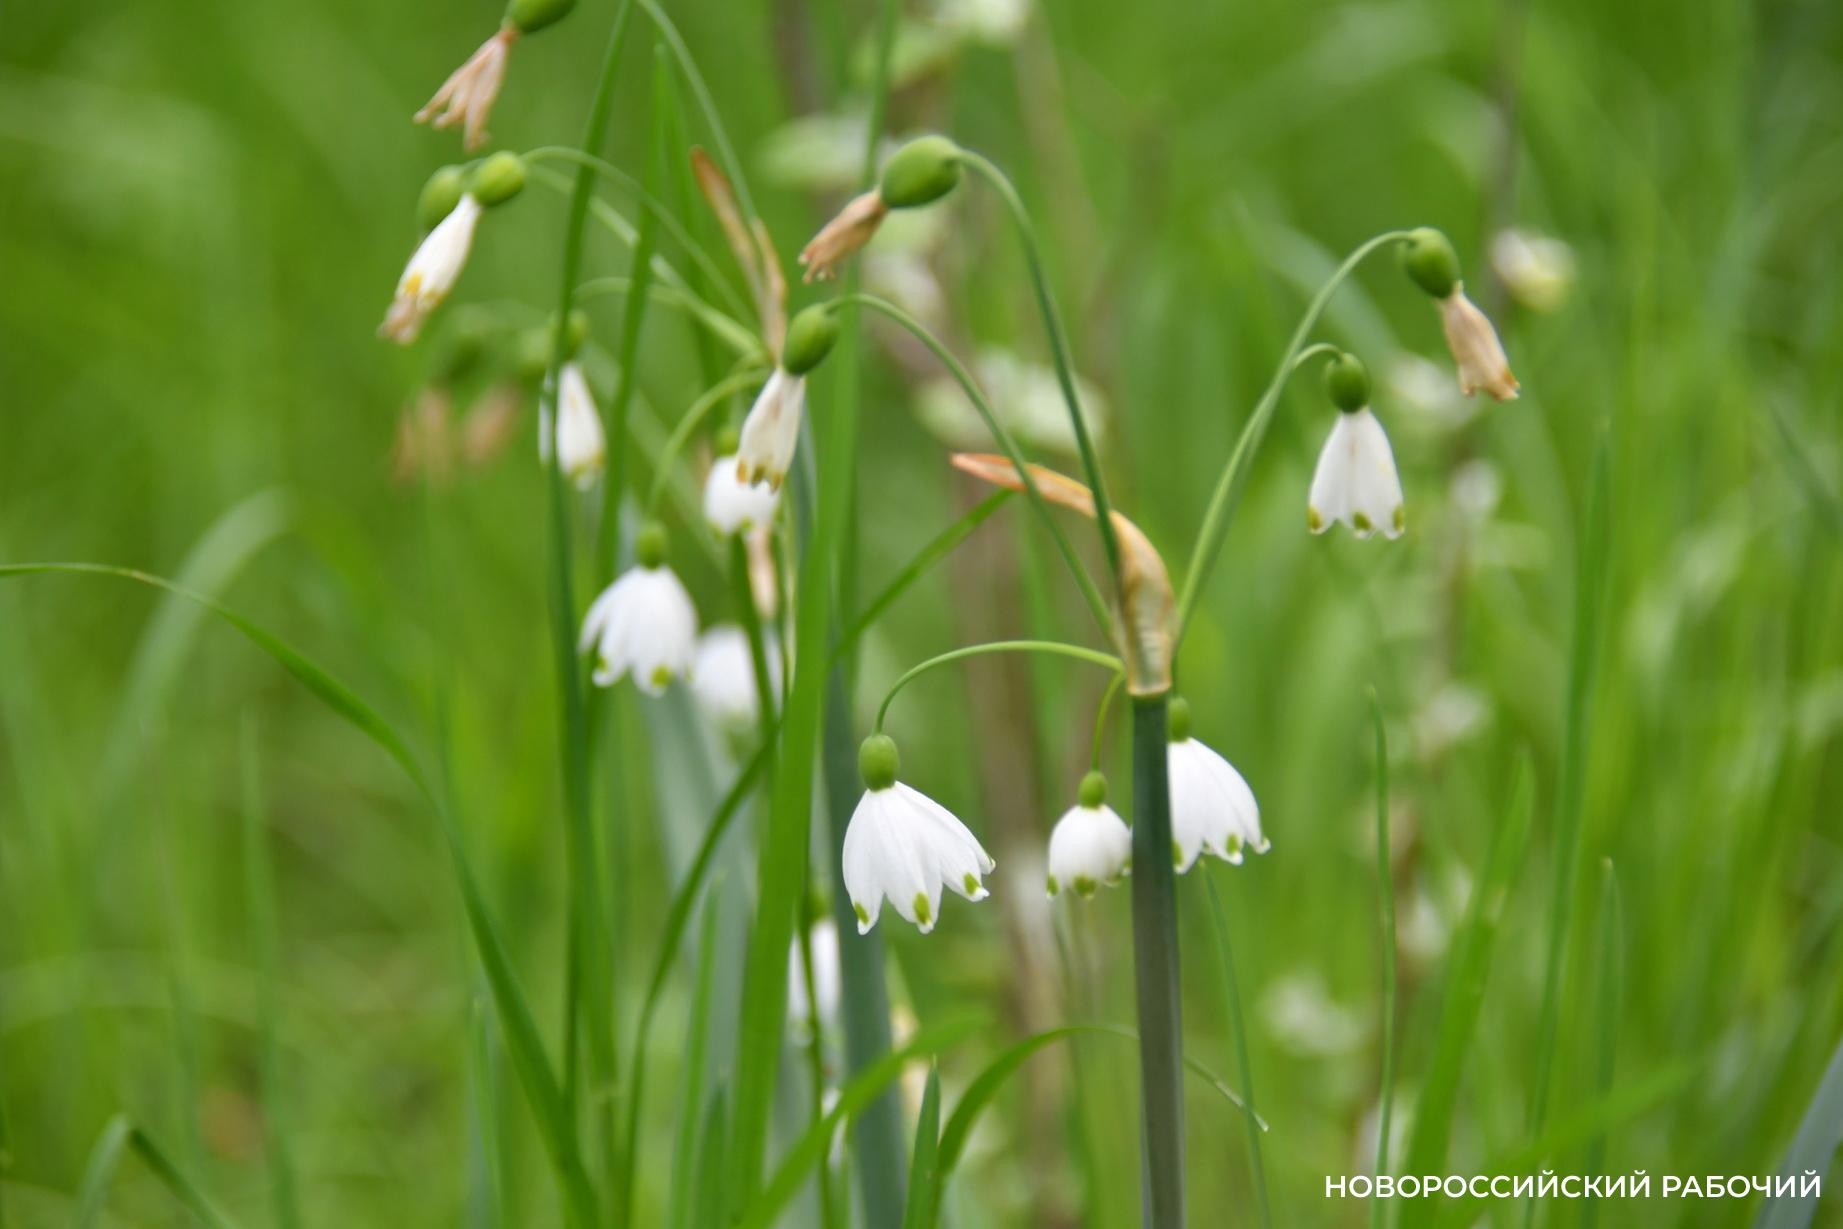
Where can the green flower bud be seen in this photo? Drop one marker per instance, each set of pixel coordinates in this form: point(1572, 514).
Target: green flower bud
point(530, 16)
point(878, 761)
point(809, 339)
point(1347, 383)
point(1180, 719)
point(920, 173)
point(650, 545)
point(1430, 260)
point(498, 179)
point(440, 195)
point(1093, 790)
point(727, 441)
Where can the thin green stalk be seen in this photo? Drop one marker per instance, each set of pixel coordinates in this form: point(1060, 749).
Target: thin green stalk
point(816, 1070)
point(749, 375)
point(691, 1091)
point(1059, 352)
point(1100, 719)
point(1156, 975)
point(1385, 891)
point(1607, 1044)
point(1090, 593)
point(929, 555)
point(1091, 656)
point(730, 332)
point(1231, 992)
point(1235, 474)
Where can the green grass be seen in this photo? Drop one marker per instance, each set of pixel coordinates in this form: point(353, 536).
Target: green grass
point(250, 967)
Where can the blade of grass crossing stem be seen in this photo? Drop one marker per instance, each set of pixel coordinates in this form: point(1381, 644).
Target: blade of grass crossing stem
point(1231, 994)
point(685, 1147)
point(1813, 1150)
point(1590, 579)
point(486, 1175)
point(259, 889)
point(1385, 895)
point(105, 1159)
point(1611, 980)
point(709, 1205)
point(535, 1074)
point(764, 1208)
point(1467, 972)
point(1155, 971)
point(923, 1162)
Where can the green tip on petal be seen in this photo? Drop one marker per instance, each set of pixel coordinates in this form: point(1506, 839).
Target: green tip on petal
point(662, 677)
point(1361, 523)
point(1084, 886)
point(1054, 887)
point(862, 912)
point(1400, 518)
point(923, 914)
point(971, 884)
point(1314, 520)
point(1177, 855)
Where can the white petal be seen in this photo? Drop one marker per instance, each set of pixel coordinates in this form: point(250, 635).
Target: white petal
point(581, 449)
point(723, 676)
point(771, 431)
point(1212, 807)
point(1089, 846)
point(1330, 497)
point(1356, 481)
point(643, 623)
point(734, 506)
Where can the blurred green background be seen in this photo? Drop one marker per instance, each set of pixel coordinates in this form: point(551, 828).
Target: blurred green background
point(204, 205)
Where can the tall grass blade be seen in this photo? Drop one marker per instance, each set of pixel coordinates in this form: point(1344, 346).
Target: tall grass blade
point(710, 1206)
point(1385, 895)
point(105, 1158)
point(1611, 977)
point(924, 1169)
point(691, 1091)
point(1231, 994)
point(1813, 1151)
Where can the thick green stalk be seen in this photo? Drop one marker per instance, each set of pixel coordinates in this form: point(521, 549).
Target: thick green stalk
point(1155, 971)
point(1235, 474)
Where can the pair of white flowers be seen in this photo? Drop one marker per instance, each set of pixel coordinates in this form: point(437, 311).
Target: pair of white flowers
point(904, 848)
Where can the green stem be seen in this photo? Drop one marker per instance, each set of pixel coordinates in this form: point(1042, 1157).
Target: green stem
point(1385, 890)
point(1100, 719)
point(1156, 971)
point(1235, 474)
point(1092, 656)
point(724, 328)
point(1096, 603)
point(816, 1069)
point(732, 166)
point(714, 397)
point(1059, 352)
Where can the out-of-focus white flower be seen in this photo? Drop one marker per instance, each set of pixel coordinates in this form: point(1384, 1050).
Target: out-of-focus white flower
point(432, 272)
point(1026, 397)
point(1424, 389)
point(1450, 716)
point(733, 506)
point(826, 979)
point(997, 23)
point(1090, 845)
point(1538, 270)
point(1212, 809)
point(582, 451)
point(771, 432)
point(1476, 490)
point(643, 623)
point(1303, 1017)
point(1476, 349)
point(467, 96)
point(904, 846)
point(723, 676)
point(1355, 481)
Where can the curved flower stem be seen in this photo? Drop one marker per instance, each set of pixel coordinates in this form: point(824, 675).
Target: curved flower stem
point(1059, 351)
point(717, 395)
point(726, 329)
point(1235, 474)
point(648, 202)
point(1311, 352)
point(1100, 719)
point(1096, 603)
point(1091, 656)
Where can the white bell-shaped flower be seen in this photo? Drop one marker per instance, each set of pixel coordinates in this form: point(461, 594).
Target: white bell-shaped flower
point(732, 505)
point(904, 846)
point(643, 623)
point(582, 450)
point(1212, 809)
point(1477, 352)
point(1355, 481)
point(823, 937)
point(771, 432)
point(1090, 845)
point(723, 677)
point(432, 272)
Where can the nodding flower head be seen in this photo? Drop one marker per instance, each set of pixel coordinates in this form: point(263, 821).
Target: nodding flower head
point(1431, 263)
point(1090, 845)
point(581, 449)
point(919, 173)
point(643, 623)
point(771, 432)
point(1212, 809)
point(904, 847)
point(432, 271)
point(1356, 481)
point(466, 98)
point(723, 677)
point(732, 505)
point(843, 237)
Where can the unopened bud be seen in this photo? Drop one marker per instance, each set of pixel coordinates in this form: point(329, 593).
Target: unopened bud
point(920, 173)
point(1430, 260)
point(810, 336)
point(530, 16)
point(498, 179)
point(1347, 383)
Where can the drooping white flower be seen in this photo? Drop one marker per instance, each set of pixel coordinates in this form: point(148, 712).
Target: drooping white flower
point(904, 846)
point(771, 432)
point(1355, 481)
point(467, 96)
point(823, 938)
point(732, 505)
point(1477, 352)
point(1212, 809)
point(582, 450)
point(643, 623)
point(1090, 845)
point(431, 272)
point(723, 676)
